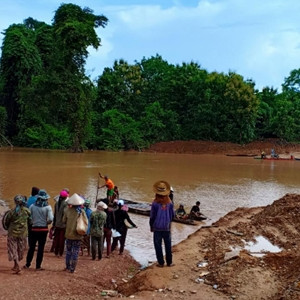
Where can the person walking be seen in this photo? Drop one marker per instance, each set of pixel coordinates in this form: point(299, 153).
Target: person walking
point(42, 216)
point(86, 241)
point(120, 217)
point(107, 234)
point(59, 225)
point(161, 216)
point(97, 220)
point(16, 222)
point(73, 239)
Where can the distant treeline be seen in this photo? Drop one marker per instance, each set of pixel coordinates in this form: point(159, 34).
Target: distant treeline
point(47, 101)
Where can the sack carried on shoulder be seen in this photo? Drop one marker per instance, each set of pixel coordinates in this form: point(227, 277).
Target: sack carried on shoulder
point(4, 220)
point(82, 225)
point(115, 233)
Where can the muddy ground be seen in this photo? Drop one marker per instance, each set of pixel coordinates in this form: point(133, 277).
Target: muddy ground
point(212, 263)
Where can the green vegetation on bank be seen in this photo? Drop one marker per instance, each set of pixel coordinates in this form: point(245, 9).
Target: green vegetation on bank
point(47, 101)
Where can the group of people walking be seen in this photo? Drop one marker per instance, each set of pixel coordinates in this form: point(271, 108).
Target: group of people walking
point(106, 224)
point(30, 220)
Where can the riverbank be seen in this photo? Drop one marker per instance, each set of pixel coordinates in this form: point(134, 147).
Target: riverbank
point(208, 147)
point(213, 263)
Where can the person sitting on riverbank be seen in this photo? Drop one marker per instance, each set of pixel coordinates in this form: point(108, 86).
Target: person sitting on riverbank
point(274, 154)
point(16, 222)
point(180, 213)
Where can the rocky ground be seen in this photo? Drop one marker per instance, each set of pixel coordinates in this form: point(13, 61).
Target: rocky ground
point(212, 263)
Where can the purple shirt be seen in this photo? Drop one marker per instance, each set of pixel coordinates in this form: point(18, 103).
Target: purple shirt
point(161, 216)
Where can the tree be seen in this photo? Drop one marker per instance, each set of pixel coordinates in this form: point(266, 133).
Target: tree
point(20, 61)
point(74, 30)
point(240, 108)
point(120, 132)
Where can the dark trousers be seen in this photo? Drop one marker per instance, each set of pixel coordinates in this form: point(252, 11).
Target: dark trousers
point(120, 239)
point(72, 251)
point(158, 237)
point(97, 246)
point(107, 239)
point(59, 241)
point(39, 237)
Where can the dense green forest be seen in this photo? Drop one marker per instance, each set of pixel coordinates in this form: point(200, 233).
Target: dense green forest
point(47, 101)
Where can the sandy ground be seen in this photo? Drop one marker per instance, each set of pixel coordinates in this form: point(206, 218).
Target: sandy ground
point(212, 263)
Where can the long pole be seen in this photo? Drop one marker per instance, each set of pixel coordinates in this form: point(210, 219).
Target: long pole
point(97, 192)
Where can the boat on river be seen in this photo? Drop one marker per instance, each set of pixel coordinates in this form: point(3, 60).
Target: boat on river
point(241, 154)
point(143, 208)
point(277, 158)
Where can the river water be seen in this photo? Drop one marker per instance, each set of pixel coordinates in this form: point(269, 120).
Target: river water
point(219, 182)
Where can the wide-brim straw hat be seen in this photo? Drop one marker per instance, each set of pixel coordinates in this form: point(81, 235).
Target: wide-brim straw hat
point(161, 187)
point(75, 199)
point(102, 205)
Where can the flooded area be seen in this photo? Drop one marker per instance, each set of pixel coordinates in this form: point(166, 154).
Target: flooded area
point(219, 182)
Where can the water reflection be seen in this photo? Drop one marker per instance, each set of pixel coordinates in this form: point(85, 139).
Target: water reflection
point(220, 183)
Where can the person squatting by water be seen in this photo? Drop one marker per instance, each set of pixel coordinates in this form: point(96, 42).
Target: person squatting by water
point(120, 216)
point(73, 239)
point(98, 219)
point(16, 222)
point(42, 216)
point(161, 216)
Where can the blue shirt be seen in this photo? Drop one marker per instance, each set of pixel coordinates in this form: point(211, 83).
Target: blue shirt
point(161, 216)
point(88, 212)
point(30, 200)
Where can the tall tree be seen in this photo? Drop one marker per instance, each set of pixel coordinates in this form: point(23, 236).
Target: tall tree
point(20, 60)
point(74, 31)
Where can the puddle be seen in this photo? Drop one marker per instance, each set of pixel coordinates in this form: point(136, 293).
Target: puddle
point(261, 246)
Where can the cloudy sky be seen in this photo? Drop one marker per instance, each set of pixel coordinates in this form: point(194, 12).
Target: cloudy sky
point(258, 39)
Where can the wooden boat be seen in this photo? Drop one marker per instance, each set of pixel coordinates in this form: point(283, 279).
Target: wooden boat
point(241, 154)
point(199, 218)
point(274, 158)
point(143, 208)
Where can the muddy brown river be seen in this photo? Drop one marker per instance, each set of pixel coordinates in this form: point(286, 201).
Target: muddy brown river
point(219, 182)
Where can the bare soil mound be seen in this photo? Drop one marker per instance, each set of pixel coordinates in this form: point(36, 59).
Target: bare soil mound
point(209, 147)
point(213, 263)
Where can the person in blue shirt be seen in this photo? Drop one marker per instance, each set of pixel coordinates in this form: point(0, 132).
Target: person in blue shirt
point(86, 242)
point(161, 216)
point(32, 198)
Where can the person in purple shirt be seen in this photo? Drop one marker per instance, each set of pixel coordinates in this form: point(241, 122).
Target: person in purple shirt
point(161, 216)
